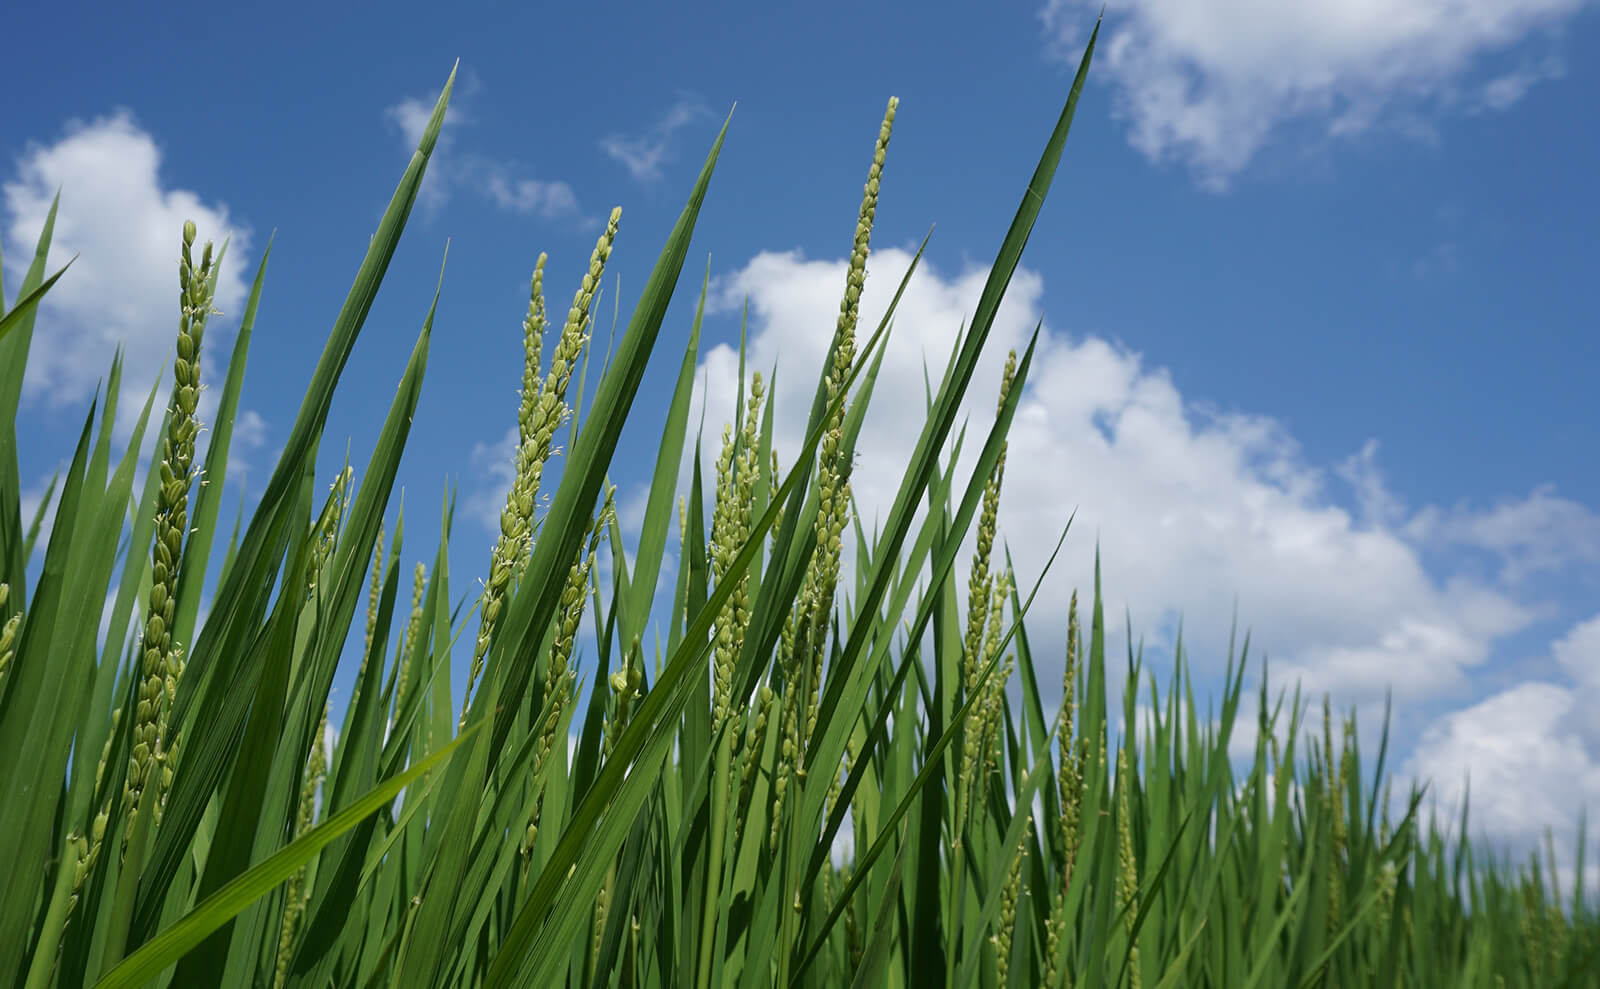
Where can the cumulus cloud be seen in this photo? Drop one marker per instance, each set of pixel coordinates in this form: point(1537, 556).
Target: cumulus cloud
point(124, 223)
point(1194, 507)
point(643, 154)
point(1207, 82)
point(1196, 510)
point(1579, 652)
point(1525, 759)
point(1522, 754)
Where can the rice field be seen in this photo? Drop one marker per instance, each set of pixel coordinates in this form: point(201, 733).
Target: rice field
point(810, 781)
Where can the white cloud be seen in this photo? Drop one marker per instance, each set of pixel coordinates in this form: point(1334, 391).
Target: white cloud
point(495, 466)
point(1525, 757)
point(497, 463)
point(249, 430)
point(32, 498)
point(494, 179)
point(1193, 506)
point(1360, 470)
point(1537, 534)
point(1579, 652)
point(631, 508)
point(1195, 509)
point(1207, 82)
point(546, 199)
point(642, 155)
point(1505, 91)
point(410, 117)
point(124, 223)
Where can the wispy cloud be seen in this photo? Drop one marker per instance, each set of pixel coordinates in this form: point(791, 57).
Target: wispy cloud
point(495, 466)
point(1540, 533)
point(546, 199)
point(643, 155)
point(1506, 91)
point(410, 118)
point(452, 168)
point(1208, 82)
point(1442, 258)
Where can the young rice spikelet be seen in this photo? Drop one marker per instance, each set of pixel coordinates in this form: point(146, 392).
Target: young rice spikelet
point(172, 522)
point(977, 649)
point(1127, 866)
point(1069, 773)
point(833, 471)
point(8, 633)
point(559, 678)
point(756, 730)
point(541, 411)
point(297, 896)
point(1001, 939)
point(1069, 787)
point(419, 577)
point(533, 325)
point(517, 515)
point(805, 634)
point(736, 468)
point(373, 593)
point(978, 583)
point(993, 712)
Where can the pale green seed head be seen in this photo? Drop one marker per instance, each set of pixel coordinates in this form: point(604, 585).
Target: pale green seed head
point(159, 667)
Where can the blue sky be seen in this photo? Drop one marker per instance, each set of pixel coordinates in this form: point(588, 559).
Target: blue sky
point(1315, 337)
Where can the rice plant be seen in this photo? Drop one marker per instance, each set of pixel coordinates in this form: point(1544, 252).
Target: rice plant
point(174, 815)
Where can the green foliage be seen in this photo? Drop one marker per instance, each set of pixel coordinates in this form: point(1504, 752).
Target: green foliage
point(173, 816)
